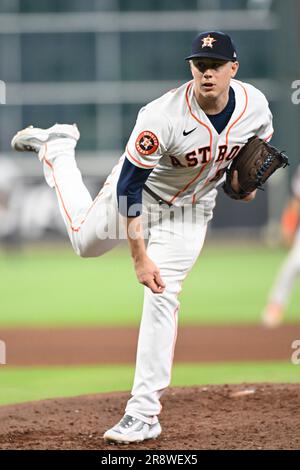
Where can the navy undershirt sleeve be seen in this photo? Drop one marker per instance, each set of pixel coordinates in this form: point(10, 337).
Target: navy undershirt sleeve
point(130, 187)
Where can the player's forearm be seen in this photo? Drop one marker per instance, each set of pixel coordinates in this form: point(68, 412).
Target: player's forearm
point(135, 238)
point(146, 271)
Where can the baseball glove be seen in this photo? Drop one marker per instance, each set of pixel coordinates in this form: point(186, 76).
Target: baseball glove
point(255, 163)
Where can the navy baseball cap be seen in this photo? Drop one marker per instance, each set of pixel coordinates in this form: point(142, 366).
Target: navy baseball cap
point(213, 44)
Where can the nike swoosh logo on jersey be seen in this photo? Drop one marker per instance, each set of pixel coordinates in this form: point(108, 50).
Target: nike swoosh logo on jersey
point(189, 132)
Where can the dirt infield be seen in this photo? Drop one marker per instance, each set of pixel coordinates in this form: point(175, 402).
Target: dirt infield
point(210, 417)
point(192, 418)
point(108, 345)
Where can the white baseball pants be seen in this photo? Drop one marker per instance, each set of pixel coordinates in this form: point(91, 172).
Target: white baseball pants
point(175, 239)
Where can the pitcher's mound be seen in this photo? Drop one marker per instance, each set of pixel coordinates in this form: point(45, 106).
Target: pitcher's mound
point(256, 416)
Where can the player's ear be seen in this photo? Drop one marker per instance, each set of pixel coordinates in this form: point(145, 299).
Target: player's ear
point(192, 67)
point(234, 68)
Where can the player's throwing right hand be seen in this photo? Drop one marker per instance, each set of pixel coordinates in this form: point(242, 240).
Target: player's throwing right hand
point(148, 274)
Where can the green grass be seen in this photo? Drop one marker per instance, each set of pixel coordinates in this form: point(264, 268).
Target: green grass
point(30, 384)
point(55, 287)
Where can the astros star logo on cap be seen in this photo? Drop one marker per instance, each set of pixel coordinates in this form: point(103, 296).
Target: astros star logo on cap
point(208, 41)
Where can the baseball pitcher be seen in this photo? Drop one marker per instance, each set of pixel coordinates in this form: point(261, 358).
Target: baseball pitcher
point(164, 189)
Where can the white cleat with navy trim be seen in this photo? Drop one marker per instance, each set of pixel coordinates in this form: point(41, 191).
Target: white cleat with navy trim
point(131, 429)
point(60, 139)
point(31, 139)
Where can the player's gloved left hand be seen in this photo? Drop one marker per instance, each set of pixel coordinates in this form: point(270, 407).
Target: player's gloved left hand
point(236, 188)
point(148, 274)
point(255, 163)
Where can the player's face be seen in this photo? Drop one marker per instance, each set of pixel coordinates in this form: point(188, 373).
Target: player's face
point(212, 76)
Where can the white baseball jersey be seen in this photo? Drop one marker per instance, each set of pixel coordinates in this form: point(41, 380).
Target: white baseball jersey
point(174, 136)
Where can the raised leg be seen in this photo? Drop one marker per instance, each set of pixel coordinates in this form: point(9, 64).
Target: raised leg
point(92, 225)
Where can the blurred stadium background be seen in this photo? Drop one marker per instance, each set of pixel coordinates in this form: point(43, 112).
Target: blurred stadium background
point(96, 62)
